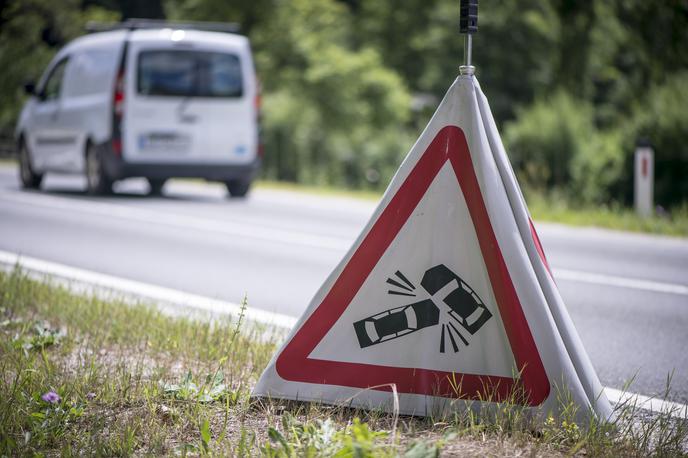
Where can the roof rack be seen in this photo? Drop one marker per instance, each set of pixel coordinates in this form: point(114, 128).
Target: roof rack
point(138, 24)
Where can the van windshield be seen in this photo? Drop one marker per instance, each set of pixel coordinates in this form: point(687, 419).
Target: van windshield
point(184, 73)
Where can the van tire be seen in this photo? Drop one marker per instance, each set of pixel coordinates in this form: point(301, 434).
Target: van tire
point(98, 182)
point(29, 178)
point(238, 187)
point(155, 185)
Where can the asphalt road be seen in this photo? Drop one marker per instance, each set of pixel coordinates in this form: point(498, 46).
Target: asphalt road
point(627, 293)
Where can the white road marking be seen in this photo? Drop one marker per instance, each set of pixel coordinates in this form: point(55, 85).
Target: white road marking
point(289, 236)
point(655, 405)
point(620, 282)
point(153, 292)
point(185, 300)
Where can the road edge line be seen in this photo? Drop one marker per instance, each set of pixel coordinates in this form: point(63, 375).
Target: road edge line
point(619, 282)
point(652, 404)
point(110, 284)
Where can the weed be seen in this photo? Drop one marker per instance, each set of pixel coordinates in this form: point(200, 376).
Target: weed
point(128, 380)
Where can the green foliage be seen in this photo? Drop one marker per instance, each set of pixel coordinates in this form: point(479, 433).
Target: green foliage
point(555, 148)
point(214, 389)
point(43, 336)
point(204, 429)
point(523, 66)
point(423, 450)
point(31, 32)
point(338, 79)
point(301, 439)
point(321, 438)
point(597, 168)
point(358, 440)
point(662, 118)
point(332, 115)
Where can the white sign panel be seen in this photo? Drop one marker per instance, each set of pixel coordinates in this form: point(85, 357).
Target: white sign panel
point(445, 296)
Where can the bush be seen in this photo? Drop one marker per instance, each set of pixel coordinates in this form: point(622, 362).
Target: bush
point(555, 147)
point(663, 120)
point(333, 114)
point(596, 170)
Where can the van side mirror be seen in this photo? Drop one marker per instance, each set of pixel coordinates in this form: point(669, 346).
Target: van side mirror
point(30, 88)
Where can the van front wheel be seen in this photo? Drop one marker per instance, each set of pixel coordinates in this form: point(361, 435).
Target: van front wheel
point(238, 188)
point(98, 182)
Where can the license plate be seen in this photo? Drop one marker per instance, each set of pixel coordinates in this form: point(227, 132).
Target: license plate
point(164, 142)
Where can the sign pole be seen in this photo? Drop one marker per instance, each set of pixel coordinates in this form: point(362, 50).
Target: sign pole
point(468, 25)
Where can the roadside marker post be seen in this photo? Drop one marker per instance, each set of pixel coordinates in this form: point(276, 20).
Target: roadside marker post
point(644, 171)
point(445, 300)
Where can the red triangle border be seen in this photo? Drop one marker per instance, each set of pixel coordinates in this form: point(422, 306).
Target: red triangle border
point(293, 363)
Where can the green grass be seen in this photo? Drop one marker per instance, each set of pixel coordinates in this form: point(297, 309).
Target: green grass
point(552, 209)
point(333, 191)
point(134, 381)
point(611, 217)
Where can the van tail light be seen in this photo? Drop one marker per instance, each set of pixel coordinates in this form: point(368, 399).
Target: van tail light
point(118, 105)
point(118, 99)
point(258, 100)
point(118, 113)
point(117, 146)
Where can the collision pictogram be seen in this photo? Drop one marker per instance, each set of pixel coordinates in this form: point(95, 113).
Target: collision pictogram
point(461, 313)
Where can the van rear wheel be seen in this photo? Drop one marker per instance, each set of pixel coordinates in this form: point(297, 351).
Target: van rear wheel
point(29, 178)
point(238, 187)
point(98, 182)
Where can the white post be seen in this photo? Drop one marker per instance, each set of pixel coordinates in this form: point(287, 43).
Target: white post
point(643, 189)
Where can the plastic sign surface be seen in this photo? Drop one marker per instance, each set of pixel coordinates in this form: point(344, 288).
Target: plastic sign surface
point(440, 300)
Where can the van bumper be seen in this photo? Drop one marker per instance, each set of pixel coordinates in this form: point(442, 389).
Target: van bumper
point(117, 169)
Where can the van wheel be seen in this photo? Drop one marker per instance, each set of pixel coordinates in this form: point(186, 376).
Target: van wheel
point(156, 186)
point(238, 188)
point(29, 178)
point(97, 180)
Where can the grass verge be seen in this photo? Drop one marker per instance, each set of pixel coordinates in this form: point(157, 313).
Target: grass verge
point(362, 194)
point(611, 217)
point(555, 210)
point(84, 376)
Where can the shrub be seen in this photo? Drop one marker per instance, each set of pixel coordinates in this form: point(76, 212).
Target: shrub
point(555, 147)
point(663, 120)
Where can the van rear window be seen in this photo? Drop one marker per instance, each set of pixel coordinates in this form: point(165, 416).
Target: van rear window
point(184, 73)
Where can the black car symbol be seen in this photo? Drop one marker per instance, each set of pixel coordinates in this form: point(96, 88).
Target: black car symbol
point(466, 307)
point(396, 322)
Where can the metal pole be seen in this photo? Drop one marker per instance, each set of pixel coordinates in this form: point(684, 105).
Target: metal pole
point(468, 25)
point(469, 49)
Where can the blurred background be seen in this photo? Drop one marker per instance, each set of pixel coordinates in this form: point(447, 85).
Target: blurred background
point(349, 85)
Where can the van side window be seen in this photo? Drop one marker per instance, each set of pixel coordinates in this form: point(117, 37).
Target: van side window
point(90, 71)
point(52, 86)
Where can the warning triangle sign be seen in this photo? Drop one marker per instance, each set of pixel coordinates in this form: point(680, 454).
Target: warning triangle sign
point(438, 299)
point(387, 304)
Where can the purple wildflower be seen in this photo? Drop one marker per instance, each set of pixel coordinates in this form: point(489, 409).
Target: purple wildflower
point(90, 396)
point(51, 397)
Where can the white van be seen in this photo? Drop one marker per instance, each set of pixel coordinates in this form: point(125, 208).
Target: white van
point(145, 99)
